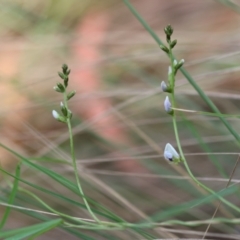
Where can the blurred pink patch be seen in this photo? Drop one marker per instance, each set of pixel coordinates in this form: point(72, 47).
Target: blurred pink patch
point(86, 79)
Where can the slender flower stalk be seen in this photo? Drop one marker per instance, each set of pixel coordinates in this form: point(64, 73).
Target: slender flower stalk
point(66, 118)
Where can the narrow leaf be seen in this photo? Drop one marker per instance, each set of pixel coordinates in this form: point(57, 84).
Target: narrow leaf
point(11, 197)
point(22, 233)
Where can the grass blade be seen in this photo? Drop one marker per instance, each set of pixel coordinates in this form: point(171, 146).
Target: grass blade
point(11, 197)
point(22, 233)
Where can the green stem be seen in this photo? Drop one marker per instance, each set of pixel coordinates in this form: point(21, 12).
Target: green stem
point(74, 163)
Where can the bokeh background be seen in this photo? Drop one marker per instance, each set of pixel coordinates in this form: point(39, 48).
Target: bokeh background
point(120, 126)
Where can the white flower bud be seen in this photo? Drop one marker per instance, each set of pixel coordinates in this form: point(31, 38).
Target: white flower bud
point(170, 153)
point(55, 88)
point(181, 62)
point(164, 86)
point(58, 117)
point(167, 105)
point(175, 62)
point(55, 114)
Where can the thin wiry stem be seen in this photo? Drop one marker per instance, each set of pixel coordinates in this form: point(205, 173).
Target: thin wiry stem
point(75, 164)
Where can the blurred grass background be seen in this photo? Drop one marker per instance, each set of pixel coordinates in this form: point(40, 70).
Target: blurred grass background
point(120, 126)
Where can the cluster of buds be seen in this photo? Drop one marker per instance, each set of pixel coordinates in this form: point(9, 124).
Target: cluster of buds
point(61, 88)
point(64, 75)
point(168, 87)
point(172, 70)
point(168, 31)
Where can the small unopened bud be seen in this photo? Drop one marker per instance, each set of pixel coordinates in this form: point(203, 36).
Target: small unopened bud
point(164, 86)
point(164, 48)
point(61, 87)
point(57, 89)
point(64, 68)
point(180, 63)
point(168, 105)
point(55, 114)
point(71, 94)
point(175, 62)
point(171, 154)
point(68, 72)
point(168, 31)
point(61, 75)
point(58, 117)
point(173, 43)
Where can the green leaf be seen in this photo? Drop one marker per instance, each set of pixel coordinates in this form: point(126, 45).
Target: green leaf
point(22, 233)
point(57, 177)
point(107, 213)
point(11, 197)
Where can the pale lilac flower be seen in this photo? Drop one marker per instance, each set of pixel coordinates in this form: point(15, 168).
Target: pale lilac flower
point(164, 86)
point(170, 153)
point(167, 105)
